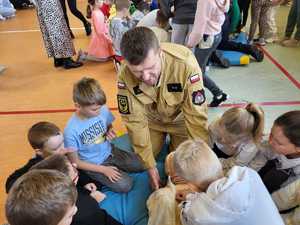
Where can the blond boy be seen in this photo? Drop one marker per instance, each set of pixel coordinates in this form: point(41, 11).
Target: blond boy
point(237, 198)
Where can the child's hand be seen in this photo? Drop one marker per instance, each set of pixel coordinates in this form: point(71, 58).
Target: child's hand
point(98, 196)
point(110, 134)
point(178, 180)
point(181, 195)
point(112, 173)
point(91, 187)
point(65, 151)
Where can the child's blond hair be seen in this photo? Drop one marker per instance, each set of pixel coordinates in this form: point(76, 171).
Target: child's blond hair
point(244, 122)
point(87, 91)
point(197, 163)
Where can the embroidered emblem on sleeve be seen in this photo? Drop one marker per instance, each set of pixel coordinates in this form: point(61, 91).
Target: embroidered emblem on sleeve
point(194, 78)
point(198, 97)
point(123, 104)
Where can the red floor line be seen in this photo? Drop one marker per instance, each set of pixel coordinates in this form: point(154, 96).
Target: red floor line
point(282, 103)
point(281, 67)
point(41, 111)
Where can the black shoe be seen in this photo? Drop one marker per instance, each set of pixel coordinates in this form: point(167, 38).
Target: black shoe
point(88, 28)
point(70, 63)
point(221, 60)
point(257, 54)
point(58, 62)
point(72, 35)
point(218, 100)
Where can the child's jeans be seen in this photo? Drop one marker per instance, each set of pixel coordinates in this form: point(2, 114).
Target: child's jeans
point(259, 16)
point(126, 162)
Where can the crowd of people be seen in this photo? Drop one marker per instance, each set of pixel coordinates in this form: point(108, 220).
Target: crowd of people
point(225, 172)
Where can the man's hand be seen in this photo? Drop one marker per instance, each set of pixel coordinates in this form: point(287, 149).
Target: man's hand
point(154, 178)
point(110, 134)
point(111, 172)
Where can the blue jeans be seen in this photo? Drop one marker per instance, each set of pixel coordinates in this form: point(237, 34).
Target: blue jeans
point(125, 162)
point(202, 56)
point(293, 20)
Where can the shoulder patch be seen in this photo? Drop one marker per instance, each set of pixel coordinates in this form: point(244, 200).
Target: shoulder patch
point(174, 87)
point(198, 97)
point(137, 90)
point(194, 78)
point(123, 104)
point(121, 85)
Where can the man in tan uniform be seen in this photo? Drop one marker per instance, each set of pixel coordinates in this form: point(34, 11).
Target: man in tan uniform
point(160, 92)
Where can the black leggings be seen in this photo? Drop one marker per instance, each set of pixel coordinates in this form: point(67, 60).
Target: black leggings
point(244, 8)
point(73, 8)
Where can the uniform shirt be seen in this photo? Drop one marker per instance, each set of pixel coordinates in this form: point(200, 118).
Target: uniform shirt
point(178, 98)
point(286, 198)
point(87, 136)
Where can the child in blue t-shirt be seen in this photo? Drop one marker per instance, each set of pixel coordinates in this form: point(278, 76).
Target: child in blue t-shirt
point(89, 132)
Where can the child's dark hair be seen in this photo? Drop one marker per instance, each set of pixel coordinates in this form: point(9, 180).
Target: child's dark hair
point(161, 19)
point(40, 133)
point(290, 124)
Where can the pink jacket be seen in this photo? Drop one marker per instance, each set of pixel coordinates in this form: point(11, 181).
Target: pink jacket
point(100, 45)
point(209, 18)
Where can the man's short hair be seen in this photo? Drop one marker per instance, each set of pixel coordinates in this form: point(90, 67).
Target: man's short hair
point(136, 44)
point(40, 133)
point(197, 163)
point(54, 162)
point(87, 91)
point(40, 197)
point(122, 4)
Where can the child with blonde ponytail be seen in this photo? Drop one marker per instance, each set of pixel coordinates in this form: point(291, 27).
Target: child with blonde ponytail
point(235, 137)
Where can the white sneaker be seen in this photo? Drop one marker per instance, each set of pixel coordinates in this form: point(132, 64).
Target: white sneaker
point(2, 18)
point(2, 68)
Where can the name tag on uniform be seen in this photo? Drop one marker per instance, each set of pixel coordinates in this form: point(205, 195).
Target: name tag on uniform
point(174, 87)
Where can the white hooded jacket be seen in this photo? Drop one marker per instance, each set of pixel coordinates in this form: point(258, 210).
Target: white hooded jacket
point(240, 198)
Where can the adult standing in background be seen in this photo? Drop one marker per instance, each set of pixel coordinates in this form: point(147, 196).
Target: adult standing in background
point(56, 34)
point(293, 21)
point(73, 8)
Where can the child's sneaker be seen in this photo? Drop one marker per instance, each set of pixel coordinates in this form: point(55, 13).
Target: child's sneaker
point(217, 100)
point(293, 43)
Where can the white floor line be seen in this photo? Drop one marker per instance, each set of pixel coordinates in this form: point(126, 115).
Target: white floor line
point(34, 30)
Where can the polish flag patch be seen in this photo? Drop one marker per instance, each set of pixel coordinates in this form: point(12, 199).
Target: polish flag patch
point(194, 78)
point(121, 85)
